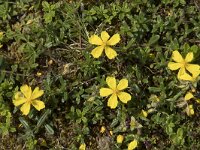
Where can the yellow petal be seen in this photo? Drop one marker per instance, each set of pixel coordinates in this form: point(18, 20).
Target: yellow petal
point(19, 101)
point(188, 96)
point(189, 57)
point(120, 139)
point(186, 77)
point(176, 56)
point(18, 95)
point(195, 74)
point(193, 68)
point(110, 53)
point(103, 129)
point(105, 36)
point(122, 84)
point(105, 91)
point(174, 66)
point(111, 133)
point(38, 104)
point(190, 110)
point(25, 108)
point(111, 81)
point(26, 90)
point(114, 40)
point(198, 101)
point(181, 72)
point(132, 145)
point(112, 101)
point(144, 113)
point(124, 97)
point(37, 93)
point(96, 53)
point(94, 39)
point(82, 146)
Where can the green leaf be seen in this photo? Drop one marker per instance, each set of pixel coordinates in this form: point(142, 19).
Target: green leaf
point(114, 122)
point(49, 129)
point(154, 89)
point(153, 39)
point(194, 48)
point(180, 132)
point(24, 123)
point(45, 5)
point(49, 16)
point(130, 43)
point(43, 118)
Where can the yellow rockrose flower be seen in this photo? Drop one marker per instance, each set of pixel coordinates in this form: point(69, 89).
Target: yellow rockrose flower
point(144, 113)
point(103, 129)
point(115, 91)
point(111, 132)
point(104, 43)
point(26, 97)
point(132, 145)
point(183, 64)
point(82, 146)
point(190, 110)
point(120, 139)
point(38, 74)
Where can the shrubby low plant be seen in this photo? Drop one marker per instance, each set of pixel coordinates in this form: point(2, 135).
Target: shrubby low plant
point(80, 101)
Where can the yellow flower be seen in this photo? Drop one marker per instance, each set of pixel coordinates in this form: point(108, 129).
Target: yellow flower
point(115, 91)
point(111, 132)
point(190, 110)
point(188, 96)
point(82, 146)
point(103, 129)
point(120, 139)
point(144, 113)
point(183, 64)
point(27, 97)
point(132, 145)
point(39, 74)
point(104, 43)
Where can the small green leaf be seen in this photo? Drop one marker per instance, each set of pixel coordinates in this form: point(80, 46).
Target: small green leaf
point(43, 118)
point(49, 129)
point(45, 5)
point(194, 48)
point(114, 122)
point(154, 89)
point(153, 39)
point(24, 122)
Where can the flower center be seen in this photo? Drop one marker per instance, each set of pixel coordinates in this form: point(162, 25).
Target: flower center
point(29, 100)
point(104, 44)
point(116, 91)
point(184, 63)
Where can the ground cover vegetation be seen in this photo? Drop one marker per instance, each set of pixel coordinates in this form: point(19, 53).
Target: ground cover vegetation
point(99, 74)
